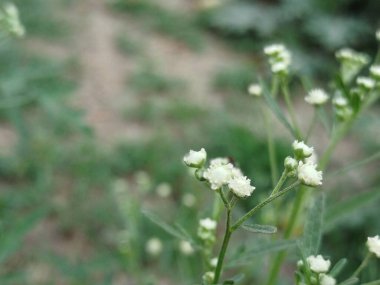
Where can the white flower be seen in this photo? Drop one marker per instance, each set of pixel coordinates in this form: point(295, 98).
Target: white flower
point(274, 49)
point(241, 186)
point(378, 35)
point(317, 97)
point(279, 67)
point(188, 200)
point(375, 71)
point(255, 90)
point(340, 101)
point(219, 161)
point(208, 277)
point(327, 279)
point(195, 159)
point(214, 262)
point(207, 224)
point(318, 264)
point(290, 163)
point(186, 248)
point(218, 174)
point(373, 244)
point(309, 175)
point(351, 56)
point(153, 246)
point(163, 190)
point(301, 150)
point(366, 82)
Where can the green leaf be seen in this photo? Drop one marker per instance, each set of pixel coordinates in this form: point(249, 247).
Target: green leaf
point(313, 226)
point(276, 109)
point(261, 248)
point(377, 282)
point(350, 281)
point(342, 210)
point(234, 280)
point(338, 267)
point(163, 225)
point(263, 229)
point(10, 242)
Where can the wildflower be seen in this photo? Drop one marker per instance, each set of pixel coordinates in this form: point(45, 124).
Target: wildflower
point(195, 159)
point(375, 71)
point(208, 277)
point(351, 62)
point(290, 164)
point(218, 174)
point(378, 35)
point(327, 279)
point(365, 82)
point(309, 175)
point(317, 97)
point(340, 101)
point(206, 230)
point(301, 150)
point(241, 186)
point(207, 224)
point(186, 248)
point(214, 262)
point(279, 58)
point(188, 200)
point(318, 264)
point(154, 246)
point(164, 190)
point(373, 244)
point(255, 90)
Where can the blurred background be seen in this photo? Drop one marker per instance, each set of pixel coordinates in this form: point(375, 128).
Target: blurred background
point(100, 101)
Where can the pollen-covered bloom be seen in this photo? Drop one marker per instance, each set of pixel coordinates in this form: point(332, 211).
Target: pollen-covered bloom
point(241, 186)
point(195, 159)
point(366, 82)
point(309, 175)
point(375, 71)
point(255, 90)
point(318, 264)
point(373, 244)
point(317, 97)
point(327, 279)
point(301, 150)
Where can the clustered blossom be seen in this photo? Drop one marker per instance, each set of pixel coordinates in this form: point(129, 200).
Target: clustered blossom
point(195, 159)
point(279, 58)
point(206, 230)
point(309, 175)
point(327, 279)
point(317, 97)
point(241, 186)
point(255, 90)
point(373, 244)
point(366, 82)
point(318, 264)
point(301, 150)
point(10, 21)
point(351, 62)
point(375, 71)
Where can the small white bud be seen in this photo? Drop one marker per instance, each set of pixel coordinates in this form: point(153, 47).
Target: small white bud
point(154, 246)
point(373, 244)
point(164, 190)
point(290, 164)
point(318, 264)
point(301, 150)
point(366, 82)
point(255, 90)
point(309, 175)
point(327, 279)
point(317, 97)
point(195, 159)
point(186, 248)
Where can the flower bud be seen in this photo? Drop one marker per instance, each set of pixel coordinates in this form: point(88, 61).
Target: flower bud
point(195, 159)
point(301, 150)
point(290, 164)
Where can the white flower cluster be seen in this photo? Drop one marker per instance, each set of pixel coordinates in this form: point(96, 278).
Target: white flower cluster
point(365, 82)
point(279, 58)
point(304, 165)
point(255, 90)
point(319, 266)
point(373, 244)
point(351, 62)
point(206, 230)
point(221, 172)
point(374, 70)
point(10, 21)
point(317, 97)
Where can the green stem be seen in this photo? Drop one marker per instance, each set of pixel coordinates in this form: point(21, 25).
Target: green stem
point(280, 182)
point(222, 253)
point(271, 149)
point(312, 125)
point(262, 204)
point(291, 111)
point(362, 265)
point(224, 199)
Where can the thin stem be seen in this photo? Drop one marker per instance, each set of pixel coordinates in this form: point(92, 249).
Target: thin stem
point(271, 148)
point(224, 199)
point(291, 111)
point(222, 253)
point(280, 182)
point(362, 265)
point(262, 204)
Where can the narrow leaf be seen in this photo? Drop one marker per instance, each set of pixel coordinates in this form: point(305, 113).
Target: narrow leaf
point(313, 226)
point(338, 267)
point(344, 209)
point(263, 229)
point(276, 109)
point(163, 225)
point(377, 282)
point(350, 281)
